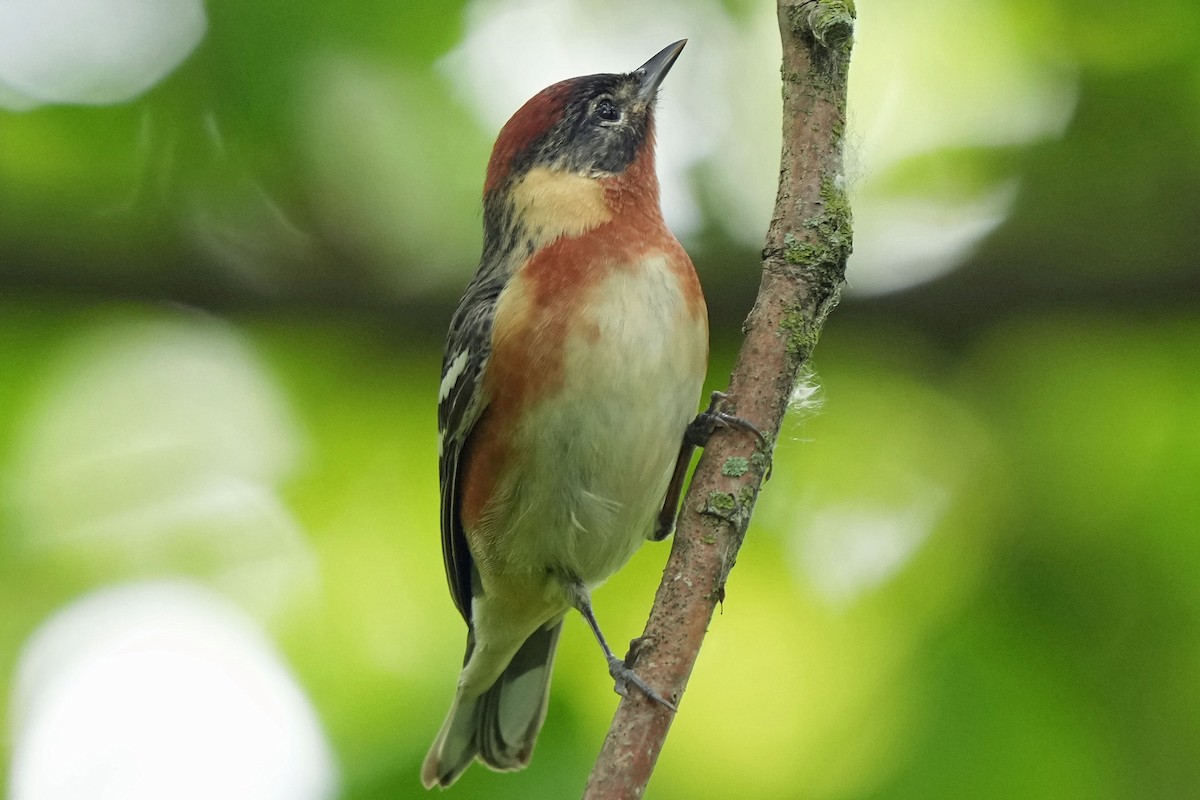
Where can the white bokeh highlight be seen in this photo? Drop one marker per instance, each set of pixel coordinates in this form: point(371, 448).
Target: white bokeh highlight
point(159, 445)
point(161, 690)
point(920, 84)
point(846, 550)
point(93, 52)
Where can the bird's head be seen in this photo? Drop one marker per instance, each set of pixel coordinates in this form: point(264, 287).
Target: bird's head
point(563, 156)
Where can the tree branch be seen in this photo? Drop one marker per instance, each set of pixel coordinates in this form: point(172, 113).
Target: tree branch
point(803, 267)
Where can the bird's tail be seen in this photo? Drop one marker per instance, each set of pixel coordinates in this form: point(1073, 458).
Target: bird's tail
point(501, 725)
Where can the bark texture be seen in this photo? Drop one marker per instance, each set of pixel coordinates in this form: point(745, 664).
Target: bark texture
point(803, 267)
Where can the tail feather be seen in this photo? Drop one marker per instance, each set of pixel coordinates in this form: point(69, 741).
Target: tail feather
point(501, 725)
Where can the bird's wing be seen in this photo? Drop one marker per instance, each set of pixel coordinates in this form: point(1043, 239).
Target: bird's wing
point(461, 402)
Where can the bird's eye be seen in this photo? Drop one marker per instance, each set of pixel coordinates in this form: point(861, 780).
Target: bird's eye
point(606, 111)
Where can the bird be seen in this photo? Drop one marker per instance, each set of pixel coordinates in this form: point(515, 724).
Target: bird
point(571, 376)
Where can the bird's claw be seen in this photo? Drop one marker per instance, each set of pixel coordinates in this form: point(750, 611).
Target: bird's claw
point(707, 421)
point(635, 649)
point(624, 677)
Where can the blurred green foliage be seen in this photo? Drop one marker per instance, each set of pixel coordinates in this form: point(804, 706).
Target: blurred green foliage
point(975, 572)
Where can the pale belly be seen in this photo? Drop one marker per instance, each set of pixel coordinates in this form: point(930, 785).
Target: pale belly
point(594, 469)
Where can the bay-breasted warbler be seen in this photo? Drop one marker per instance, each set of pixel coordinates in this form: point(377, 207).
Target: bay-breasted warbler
point(573, 366)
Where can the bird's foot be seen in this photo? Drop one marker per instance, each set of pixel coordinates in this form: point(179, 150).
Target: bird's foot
point(701, 429)
point(625, 677)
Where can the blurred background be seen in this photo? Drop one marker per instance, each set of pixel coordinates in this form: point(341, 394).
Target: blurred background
point(232, 234)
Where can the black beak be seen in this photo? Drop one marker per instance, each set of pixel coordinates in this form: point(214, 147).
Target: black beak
point(651, 73)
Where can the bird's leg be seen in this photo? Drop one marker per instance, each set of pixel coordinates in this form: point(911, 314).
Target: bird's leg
point(666, 517)
point(620, 671)
point(697, 434)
